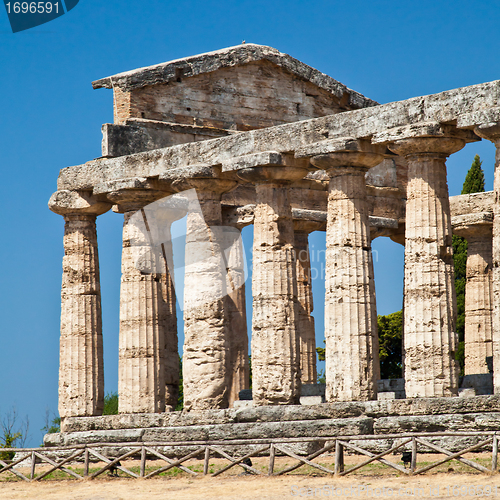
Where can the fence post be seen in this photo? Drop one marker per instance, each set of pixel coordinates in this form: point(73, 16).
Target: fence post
point(86, 462)
point(207, 458)
point(494, 457)
point(272, 454)
point(339, 458)
point(33, 465)
point(143, 461)
point(413, 465)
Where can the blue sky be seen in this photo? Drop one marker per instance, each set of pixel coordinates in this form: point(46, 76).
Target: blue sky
point(51, 118)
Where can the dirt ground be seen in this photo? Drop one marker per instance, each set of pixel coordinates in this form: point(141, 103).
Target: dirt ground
point(379, 482)
point(251, 487)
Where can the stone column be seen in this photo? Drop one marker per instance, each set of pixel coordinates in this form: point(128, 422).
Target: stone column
point(81, 367)
point(144, 312)
point(491, 132)
point(171, 354)
point(206, 336)
point(238, 370)
point(478, 306)
point(307, 335)
point(430, 339)
point(352, 359)
point(275, 341)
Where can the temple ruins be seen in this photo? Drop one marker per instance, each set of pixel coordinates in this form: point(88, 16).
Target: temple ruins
point(264, 139)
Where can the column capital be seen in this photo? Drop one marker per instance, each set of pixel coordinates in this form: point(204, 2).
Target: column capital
point(131, 200)
point(269, 166)
point(132, 193)
point(438, 146)
point(307, 226)
point(489, 131)
point(66, 203)
point(335, 155)
point(202, 177)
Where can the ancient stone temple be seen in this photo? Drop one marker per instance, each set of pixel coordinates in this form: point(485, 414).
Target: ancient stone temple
point(264, 139)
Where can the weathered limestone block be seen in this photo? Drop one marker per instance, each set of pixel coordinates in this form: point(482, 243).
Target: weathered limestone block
point(352, 362)
point(307, 335)
point(466, 204)
point(376, 409)
point(81, 367)
point(430, 339)
point(137, 135)
point(275, 340)
point(438, 423)
point(244, 430)
point(478, 304)
point(491, 131)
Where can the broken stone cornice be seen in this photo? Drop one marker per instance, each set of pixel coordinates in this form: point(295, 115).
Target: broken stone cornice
point(226, 58)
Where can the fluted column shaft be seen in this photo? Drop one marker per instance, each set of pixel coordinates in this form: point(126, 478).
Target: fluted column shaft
point(491, 132)
point(81, 371)
point(143, 316)
point(352, 359)
point(430, 339)
point(478, 302)
point(238, 372)
point(171, 355)
point(206, 344)
point(307, 337)
point(275, 342)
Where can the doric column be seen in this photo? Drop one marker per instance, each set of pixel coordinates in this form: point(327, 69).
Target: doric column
point(478, 302)
point(430, 339)
point(164, 214)
point(238, 369)
point(491, 132)
point(144, 311)
point(206, 358)
point(81, 367)
point(352, 359)
point(275, 341)
point(307, 336)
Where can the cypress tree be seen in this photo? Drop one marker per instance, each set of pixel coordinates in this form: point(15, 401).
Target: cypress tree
point(474, 183)
point(474, 180)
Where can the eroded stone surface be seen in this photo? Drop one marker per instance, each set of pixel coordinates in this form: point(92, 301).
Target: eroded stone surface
point(430, 339)
point(206, 331)
point(81, 369)
point(352, 365)
point(143, 323)
point(478, 305)
point(307, 337)
point(275, 341)
point(491, 131)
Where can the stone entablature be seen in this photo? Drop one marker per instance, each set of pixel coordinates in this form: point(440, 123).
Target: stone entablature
point(357, 174)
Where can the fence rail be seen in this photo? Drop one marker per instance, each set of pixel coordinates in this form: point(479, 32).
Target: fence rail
point(211, 449)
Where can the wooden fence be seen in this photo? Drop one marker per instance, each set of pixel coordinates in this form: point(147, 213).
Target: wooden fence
point(268, 447)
